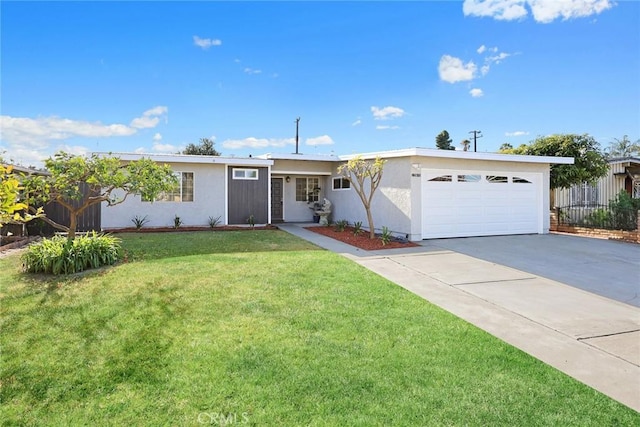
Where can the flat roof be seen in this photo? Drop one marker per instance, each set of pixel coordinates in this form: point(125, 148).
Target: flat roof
point(191, 158)
point(300, 156)
point(455, 154)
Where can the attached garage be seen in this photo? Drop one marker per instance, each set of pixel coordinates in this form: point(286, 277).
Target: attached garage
point(463, 203)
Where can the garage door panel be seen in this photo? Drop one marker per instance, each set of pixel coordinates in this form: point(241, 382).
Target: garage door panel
point(482, 208)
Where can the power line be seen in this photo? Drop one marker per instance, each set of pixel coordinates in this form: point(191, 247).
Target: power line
point(476, 134)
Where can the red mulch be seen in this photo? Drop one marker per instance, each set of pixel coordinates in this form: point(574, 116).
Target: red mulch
point(188, 228)
point(361, 241)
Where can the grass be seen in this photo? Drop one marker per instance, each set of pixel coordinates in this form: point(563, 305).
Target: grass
point(260, 328)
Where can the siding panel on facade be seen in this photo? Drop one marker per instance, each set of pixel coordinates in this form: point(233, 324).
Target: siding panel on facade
point(248, 197)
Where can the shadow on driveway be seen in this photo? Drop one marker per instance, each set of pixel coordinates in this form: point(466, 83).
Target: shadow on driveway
point(603, 267)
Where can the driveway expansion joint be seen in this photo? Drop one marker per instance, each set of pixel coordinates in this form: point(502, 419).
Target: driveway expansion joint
point(613, 334)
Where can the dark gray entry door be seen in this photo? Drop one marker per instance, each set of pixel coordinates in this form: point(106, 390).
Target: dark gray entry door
point(276, 200)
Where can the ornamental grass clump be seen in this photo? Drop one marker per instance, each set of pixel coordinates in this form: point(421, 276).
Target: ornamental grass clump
point(60, 255)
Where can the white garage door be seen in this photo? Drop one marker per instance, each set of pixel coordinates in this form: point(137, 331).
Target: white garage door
point(458, 203)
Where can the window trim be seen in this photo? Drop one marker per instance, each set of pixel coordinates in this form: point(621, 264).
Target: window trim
point(246, 174)
point(341, 180)
point(178, 175)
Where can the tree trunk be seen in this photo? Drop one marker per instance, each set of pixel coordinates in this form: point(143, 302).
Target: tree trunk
point(372, 231)
point(73, 220)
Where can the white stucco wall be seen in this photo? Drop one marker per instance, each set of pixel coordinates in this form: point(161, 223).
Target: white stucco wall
point(391, 205)
point(397, 203)
point(208, 200)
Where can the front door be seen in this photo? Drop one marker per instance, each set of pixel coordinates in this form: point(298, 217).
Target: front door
point(276, 200)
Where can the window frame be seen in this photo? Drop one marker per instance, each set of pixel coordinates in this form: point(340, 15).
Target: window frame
point(180, 191)
point(310, 193)
point(247, 174)
point(341, 180)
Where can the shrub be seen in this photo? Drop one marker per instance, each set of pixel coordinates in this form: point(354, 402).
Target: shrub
point(251, 221)
point(60, 255)
point(214, 222)
point(177, 222)
point(139, 222)
point(624, 210)
point(341, 225)
point(386, 236)
point(357, 228)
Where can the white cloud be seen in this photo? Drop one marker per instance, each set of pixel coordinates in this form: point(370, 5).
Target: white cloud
point(252, 71)
point(25, 129)
point(358, 122)
point(516, 133)
point(29, 140)
point(481, 49)
point(504, 10)
point(387, 113)
point(543, 11)
point(384, 127)
point(252, 142)
point(320, 140)
point(157, 137)
point(165, 148)
point(476, 93)
point(150, 118)
point(452, 69)
point(206, 43)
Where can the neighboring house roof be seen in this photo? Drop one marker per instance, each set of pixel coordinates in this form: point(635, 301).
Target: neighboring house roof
point(455, 154)
point(624, 160)
point(27, 171)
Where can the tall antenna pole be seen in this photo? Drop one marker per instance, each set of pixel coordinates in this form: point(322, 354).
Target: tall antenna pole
point(297, 124)
point(476, 134)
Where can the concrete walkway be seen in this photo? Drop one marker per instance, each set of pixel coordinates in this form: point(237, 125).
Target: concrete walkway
point(593, 339)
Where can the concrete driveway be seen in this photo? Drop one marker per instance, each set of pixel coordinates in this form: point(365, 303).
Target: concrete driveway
point(603, 267)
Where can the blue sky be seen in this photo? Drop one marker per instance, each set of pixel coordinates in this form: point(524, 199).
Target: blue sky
point(362, 76)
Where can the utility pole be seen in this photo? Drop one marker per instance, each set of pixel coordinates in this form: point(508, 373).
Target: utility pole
point(476, 134)
point(297, 124)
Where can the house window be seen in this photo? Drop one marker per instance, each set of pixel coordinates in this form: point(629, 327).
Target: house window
point(239, 173)
point(583, 194)
point(468, 178)
point(307, 189)
point(182, 193)
point(518, 180)
point(497, 179)
point(442, 178)
point(341, 183)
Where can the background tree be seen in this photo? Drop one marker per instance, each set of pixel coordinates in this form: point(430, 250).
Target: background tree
point(465, 144)
point(623, 148)
point(443, 141)
point(360, 172)
point(589, 162)
point(103, 174)
point(204, 148)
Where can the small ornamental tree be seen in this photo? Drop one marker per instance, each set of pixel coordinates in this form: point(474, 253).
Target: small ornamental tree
point(103, 174)
point(364, 177)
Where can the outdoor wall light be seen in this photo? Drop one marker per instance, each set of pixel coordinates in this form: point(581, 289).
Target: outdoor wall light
point(288, 179)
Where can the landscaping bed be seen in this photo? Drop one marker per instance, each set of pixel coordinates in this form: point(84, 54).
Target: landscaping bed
point(360, 240)
point(188, 228)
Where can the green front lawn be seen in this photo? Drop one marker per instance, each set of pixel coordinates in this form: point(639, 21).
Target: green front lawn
point(262, 328)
